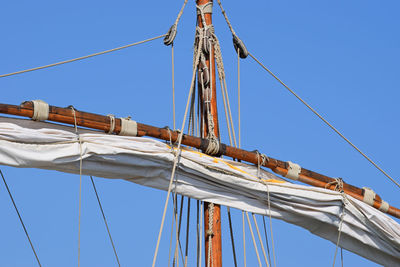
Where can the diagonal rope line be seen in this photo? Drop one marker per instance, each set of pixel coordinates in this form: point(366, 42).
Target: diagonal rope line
point(20, 218)
point(83, 57)
point(105, 221)
point(325, 121)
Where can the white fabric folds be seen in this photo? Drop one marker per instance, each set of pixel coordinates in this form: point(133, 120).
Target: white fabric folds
point(365, 230)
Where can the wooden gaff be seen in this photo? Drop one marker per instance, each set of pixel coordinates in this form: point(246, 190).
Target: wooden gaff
point(102, 123)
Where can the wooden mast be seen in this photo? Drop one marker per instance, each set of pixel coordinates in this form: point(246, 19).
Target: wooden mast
point(216, 246)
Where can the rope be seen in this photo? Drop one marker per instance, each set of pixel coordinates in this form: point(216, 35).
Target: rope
point(20, 218)
point(239, 121)
point(170, 36)
point(173, 86)
point(80, 186)
point(259, 237)
point(187, 233)
point(231, 232)
point(266, 240)
point(105, 221)
point(197, 58)
point(244, 240)
point(325, 121)
point(210, 234)
point(254, 240)
point(270, 226)
point(80, 58)
point(340, 231)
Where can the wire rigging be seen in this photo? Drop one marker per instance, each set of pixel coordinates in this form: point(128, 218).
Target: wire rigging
point(325, 121)
point(105, 221)
point(20, 218)
point(83, 57)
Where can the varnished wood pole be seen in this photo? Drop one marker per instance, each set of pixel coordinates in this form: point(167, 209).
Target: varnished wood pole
point(102, 123)
point(216, 247)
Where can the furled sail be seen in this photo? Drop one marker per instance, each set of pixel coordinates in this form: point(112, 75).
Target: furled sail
point(365, 230)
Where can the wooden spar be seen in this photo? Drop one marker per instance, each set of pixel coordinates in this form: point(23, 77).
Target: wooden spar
point(102, 123)
point(216, 246)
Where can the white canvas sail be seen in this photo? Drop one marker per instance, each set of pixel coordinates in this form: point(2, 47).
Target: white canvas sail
point(365, 230)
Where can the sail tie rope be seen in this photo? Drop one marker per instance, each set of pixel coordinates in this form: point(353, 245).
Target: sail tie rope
point(105, 221)
point(80, 185)
point(342, 214)
point(20, 218)
point(325, 121)
point(176, 157)
point(171, 34)
point(338, 182)
point(80, 58)
point(112, 123)
point(240, 48)
point(40, 110)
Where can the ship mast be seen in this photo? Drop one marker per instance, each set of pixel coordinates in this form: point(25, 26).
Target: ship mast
point(207, 96)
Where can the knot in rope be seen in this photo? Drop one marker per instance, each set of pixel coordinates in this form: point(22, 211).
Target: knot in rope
point(338, 182)
point(240, 48)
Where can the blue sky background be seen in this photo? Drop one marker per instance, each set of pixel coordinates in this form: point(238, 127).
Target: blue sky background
point(341, 56)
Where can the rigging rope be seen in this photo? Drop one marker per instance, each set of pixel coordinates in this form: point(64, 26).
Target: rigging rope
point(170, 36)
point(239, 121)
point(173, 86)
point(340, 227)
point(259, 237)
point(20, 218)
point(80, 58)
point(80, 185)
point(254, 240)
point(105, 220)
point(244, 240)
point(231, 232)
point(187, 233)
point(266, 240)
point(325, 121)
point(177, 154)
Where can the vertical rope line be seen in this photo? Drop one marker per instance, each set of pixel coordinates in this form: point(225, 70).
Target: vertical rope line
point(244, 239)
point(178, 151)
point(201, 229)
point(339, 230)
point(231, 232)
point(254, 240)
point(105, 221)
point(341, 255)
point(226, 113)
point(259, 237)
point(80, 187)
point(176, 252)
point(20, 218)
point(187, 232)
point(173, 85)
point(198, 235)
point(270, 226)
point(239, 121)
point(172, 232)
point(266, 240)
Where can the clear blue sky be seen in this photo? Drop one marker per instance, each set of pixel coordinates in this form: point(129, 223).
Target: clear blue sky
point(341, 56)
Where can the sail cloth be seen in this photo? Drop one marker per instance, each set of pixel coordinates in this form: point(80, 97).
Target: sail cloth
point(365, 230)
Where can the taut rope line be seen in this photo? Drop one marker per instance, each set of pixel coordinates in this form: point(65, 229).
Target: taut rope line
point(325, 121)
point(80, 58)
point(20, 218)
